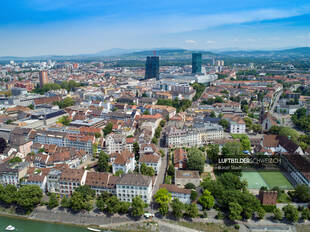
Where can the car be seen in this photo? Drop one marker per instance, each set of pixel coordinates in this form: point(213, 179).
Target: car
point(149, 215)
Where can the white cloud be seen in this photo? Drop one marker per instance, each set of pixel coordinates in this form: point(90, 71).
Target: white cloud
point(210, 42)
point(190, 41)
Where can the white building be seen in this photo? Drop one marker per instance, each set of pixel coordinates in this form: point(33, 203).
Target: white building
point(194, 136)
point(132, 185)
point(124, 161)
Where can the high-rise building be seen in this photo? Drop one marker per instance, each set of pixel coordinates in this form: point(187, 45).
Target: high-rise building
point(152, 67)
point(196, 63)
point(43, 78)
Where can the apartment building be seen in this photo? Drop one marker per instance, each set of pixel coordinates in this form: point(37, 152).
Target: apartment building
point(70, 179)
point(131, 185)
point(53, 181)
point(12, 173)
point(124, 161)
point(151, 160)
point(63, 139)
point(236, 124)
point(80, 142)
point(102, 182)
point(194, 136)
point(117, 143)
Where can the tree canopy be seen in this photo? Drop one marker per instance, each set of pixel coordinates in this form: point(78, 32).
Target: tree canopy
point(195, 159)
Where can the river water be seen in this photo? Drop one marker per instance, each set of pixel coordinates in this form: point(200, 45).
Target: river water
point(24, 225)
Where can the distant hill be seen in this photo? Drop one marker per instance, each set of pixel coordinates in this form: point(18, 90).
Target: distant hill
point(293, 53)
point(167, 53)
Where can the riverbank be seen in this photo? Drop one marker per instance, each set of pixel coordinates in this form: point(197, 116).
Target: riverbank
point(64, 216)
point(125, 223)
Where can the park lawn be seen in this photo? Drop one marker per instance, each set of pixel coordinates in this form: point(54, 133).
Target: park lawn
point(276, 178)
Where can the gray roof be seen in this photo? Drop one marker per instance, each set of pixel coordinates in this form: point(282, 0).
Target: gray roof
point(135, 180)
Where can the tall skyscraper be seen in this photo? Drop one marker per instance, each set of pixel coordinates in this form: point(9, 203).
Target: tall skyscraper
point(152, 67)
point(43, 78)
point(196, 63)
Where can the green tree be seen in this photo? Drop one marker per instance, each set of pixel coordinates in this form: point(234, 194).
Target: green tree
point(177, 208)
point(290, 133)
point(112, 205)
point(53, 201)
point(145, 170)
point(171, 170)
point(213, 152)
point(162, 123)
point(305, 214)
point(234, 211)
point(190, 186)
point(195, 159)
point(86, 191)
point(261, 213)
point(119, 172)
point(191, 211)
point(206, 200)
point(64, 120)
point(232, 181)
point(257, 128)
point(277, 214)
point(79, 202)
point(68, 101)
point(124, 207)
point(162, 196)
point(232, 149)
point(65, 202)
point(212, 114)
point(224, 123)
point(108, 128)
point(136, 150)
point(103, 162)
point(28, 196)
point(9, 194)
point(302, 193)
point(248, 123)
point(137, 207)
point(163, 209)
point(290, 213)
point(101, 200)
point(146, 112)
point(194, 195)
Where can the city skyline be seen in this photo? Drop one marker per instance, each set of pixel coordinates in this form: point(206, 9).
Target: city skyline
point(45, 27)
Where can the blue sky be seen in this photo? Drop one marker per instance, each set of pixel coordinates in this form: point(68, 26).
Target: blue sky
point(64, 27)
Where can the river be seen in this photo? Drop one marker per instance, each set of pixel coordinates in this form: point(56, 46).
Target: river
point(24, 225)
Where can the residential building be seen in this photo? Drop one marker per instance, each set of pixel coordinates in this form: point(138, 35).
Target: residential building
point(70, 179)
point(130, 186)
point(151, 160)
point(179, 158)
point(193, 136)
point(117, 143)
point(12, 173)
point(101, 182)
point(124, 161)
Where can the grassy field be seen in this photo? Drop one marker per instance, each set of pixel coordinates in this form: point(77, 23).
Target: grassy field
point(268, 179)
point(255, 181)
